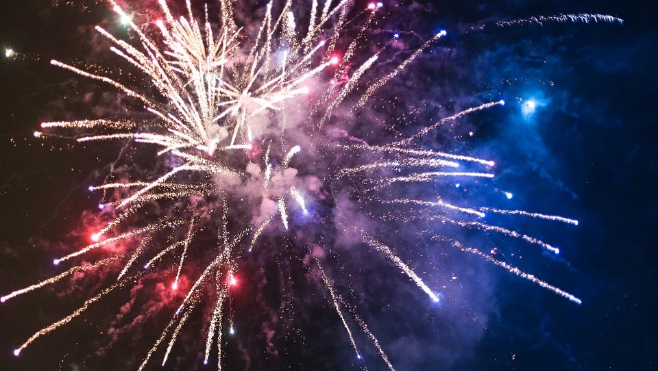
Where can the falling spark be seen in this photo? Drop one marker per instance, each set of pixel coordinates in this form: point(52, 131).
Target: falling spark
point(68, 318)
point(519, 273)
point(299, 198)
point(531, 215)
point(400, 264)
point(340, 313)
point(79, 268)
point(174, 336)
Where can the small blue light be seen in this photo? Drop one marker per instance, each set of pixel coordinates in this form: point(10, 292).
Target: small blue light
point(530, 106)
point(396, 35)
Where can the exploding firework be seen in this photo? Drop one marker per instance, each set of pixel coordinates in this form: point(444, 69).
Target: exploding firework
point(228, 120)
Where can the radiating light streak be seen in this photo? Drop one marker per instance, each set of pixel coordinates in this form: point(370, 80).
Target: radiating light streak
point(71, 316)
point(340, 313)
point(414, 152)
point(381, 82)
point(299, 198)
point(79, 268)
point(157, 343)
point(374, 340)
point(142, 246)
point(282, 211)
point(293, 151)
point(428, 177)
point(186, 244)
point(215, 323)
point(259, 231)
point(132, 233)
point(583, 17)
point(440, 203)
point(519, 273)
point(532, 215)
point(443, 121)
point(400, 264)
point(174, 335)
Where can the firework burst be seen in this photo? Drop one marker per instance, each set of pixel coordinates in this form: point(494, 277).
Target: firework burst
point(222, 109)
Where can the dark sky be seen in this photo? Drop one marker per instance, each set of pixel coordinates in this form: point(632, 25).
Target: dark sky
point(587, 151)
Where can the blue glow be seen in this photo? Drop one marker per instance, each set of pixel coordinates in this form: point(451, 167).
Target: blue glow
point(508, 195)
point(437, 300)
point(396, 35)
point(530, 105)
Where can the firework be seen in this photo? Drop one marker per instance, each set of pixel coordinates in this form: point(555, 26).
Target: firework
point(209, 116)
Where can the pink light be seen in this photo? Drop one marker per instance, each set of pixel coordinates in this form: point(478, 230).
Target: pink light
point(371, 6)
point(17, 352)
point(334, 60)
point(159, 23)
point(95, 237)
point(56, 262)
point(233, 281)
point(174, 286)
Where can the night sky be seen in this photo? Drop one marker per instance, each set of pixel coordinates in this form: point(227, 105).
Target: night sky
point(584, 148)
